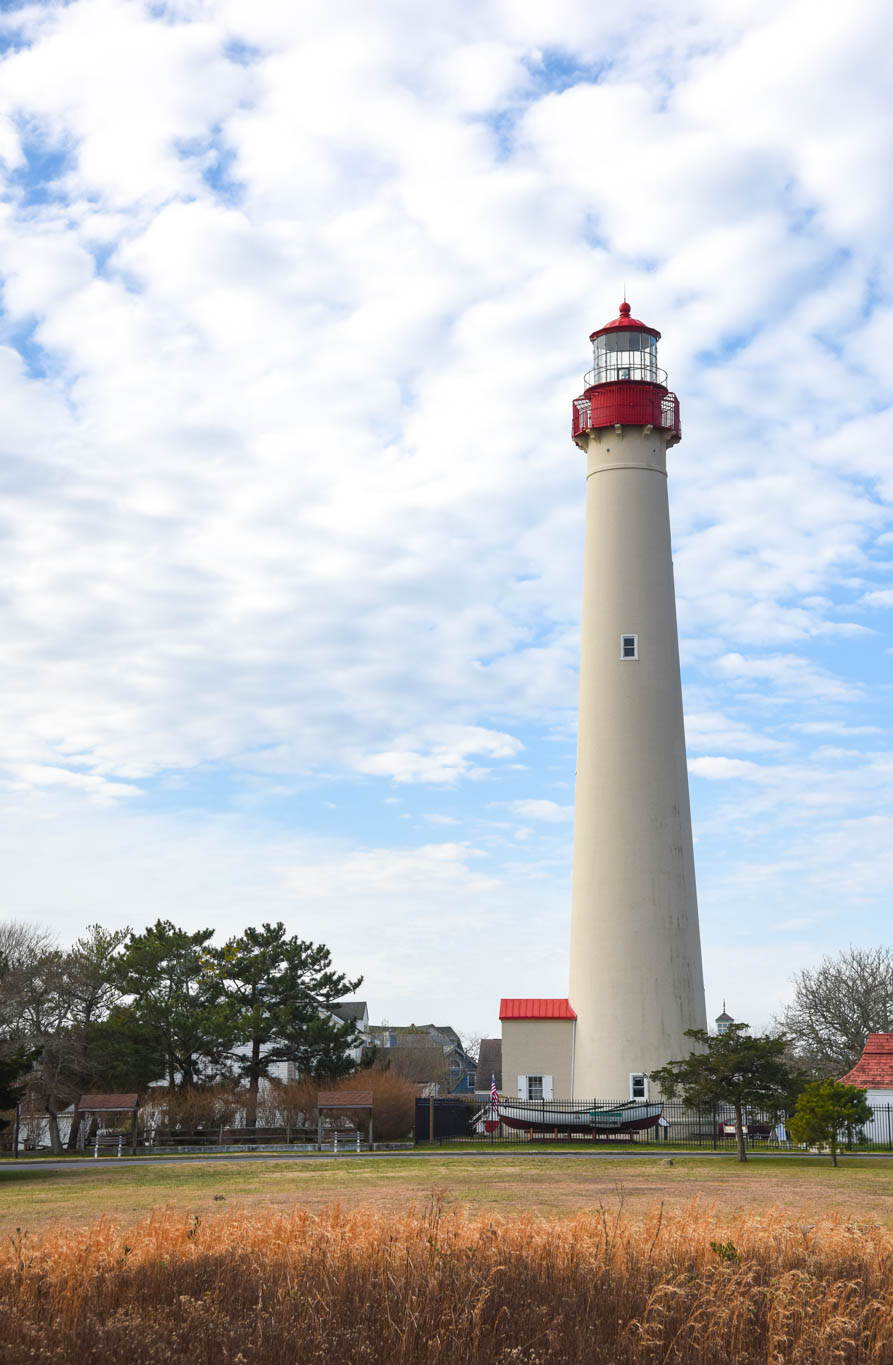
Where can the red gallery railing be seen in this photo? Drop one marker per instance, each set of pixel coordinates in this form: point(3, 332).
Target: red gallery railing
point(626, 404)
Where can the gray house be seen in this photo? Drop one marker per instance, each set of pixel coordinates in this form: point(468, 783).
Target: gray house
point(489, 1065)
point(427, 1054)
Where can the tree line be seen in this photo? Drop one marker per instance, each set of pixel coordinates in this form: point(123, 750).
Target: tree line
point(119, 1010)
point(795, 1067)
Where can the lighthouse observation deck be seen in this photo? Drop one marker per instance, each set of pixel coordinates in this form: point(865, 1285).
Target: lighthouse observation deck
point(629, 404)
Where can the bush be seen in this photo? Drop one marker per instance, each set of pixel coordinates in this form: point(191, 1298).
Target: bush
point(393, 1103)
point(294, 1103)
point(216, 1106)
point(288, 1104)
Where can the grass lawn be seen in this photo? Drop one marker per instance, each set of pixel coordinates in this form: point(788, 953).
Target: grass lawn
point(33, 1198)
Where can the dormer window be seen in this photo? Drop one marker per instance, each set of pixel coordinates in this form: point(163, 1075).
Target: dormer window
point(629, 646)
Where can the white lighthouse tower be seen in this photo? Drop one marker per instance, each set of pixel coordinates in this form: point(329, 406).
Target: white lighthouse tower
point(636, 982)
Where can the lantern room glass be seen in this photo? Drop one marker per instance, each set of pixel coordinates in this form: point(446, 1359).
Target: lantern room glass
point(624, 354)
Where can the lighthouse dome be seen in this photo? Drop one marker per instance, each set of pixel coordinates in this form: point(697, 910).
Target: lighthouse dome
point(625, 349)
point(624, 323)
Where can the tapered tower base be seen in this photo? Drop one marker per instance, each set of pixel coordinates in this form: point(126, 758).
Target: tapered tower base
point(636, 980)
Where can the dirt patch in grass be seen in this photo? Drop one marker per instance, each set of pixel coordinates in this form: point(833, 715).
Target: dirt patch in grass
point(34, 1199)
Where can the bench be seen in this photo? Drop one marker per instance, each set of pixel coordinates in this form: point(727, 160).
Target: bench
point(105, 1142)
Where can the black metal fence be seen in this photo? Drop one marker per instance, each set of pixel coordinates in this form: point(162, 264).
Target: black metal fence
point(470, 1120)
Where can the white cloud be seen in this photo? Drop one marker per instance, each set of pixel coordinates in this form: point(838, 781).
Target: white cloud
point(373, 872)
point(721, 769)
point(711, 730)
point(833, 727)
point(790, 676)
point(439, 755)
point(549, 812)
point(30, 775)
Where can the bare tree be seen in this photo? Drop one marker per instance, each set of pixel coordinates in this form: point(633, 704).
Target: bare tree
point(22, 944)
point(48, 1001)
point(92, 992)
point(837, 1005)
point(471, 1044)
point(43, 1024)
point(420, 1064)
point(21, 947)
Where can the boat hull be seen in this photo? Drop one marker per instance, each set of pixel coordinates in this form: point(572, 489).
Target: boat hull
point(634, 1117)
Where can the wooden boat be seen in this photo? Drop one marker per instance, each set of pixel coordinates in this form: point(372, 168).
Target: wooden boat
point(540, 1116)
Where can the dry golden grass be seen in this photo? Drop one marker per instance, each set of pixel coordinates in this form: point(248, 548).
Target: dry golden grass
point(358, 1287)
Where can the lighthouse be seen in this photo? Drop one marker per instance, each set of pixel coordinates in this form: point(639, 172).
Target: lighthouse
point(636, 982)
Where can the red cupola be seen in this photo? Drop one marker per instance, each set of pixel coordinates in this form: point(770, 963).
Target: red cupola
point(625, 387)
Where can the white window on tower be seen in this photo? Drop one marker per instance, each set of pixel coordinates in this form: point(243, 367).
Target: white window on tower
point(638, 1086)
point(534, 1087)
point(629, 646)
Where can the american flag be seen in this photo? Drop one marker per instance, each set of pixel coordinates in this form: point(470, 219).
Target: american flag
point(494, 1094)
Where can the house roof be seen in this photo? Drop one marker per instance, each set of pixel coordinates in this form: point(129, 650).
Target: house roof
point(489, 1063)
point(536, 1009)
point(418, 1035)
point(874, 1069)
point(344, 1099)
point(109, 1103)
point(350, 1009)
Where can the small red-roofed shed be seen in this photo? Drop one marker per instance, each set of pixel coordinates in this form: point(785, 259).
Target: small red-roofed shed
point(874, 1069)
point(874, 1074)
point(537, 1047)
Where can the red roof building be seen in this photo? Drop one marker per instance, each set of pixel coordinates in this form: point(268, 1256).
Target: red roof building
point(536, 1009)
point(537, 1047)
point(874, 1069)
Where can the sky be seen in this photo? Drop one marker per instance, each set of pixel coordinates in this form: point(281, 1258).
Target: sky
point(295, 302)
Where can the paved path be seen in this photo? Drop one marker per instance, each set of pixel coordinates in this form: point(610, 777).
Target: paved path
point(80, 1163)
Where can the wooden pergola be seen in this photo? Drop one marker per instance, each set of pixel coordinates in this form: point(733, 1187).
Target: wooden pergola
point(341, 1100)
point(99, 1106)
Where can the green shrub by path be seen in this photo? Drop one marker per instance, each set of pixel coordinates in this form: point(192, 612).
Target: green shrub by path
point(365, 1287)
point(826, 1111)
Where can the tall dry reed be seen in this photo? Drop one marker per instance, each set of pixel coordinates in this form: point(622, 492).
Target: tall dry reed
point(436, 1288)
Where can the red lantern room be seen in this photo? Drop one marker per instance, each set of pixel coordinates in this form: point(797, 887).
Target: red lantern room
point(625, 386)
